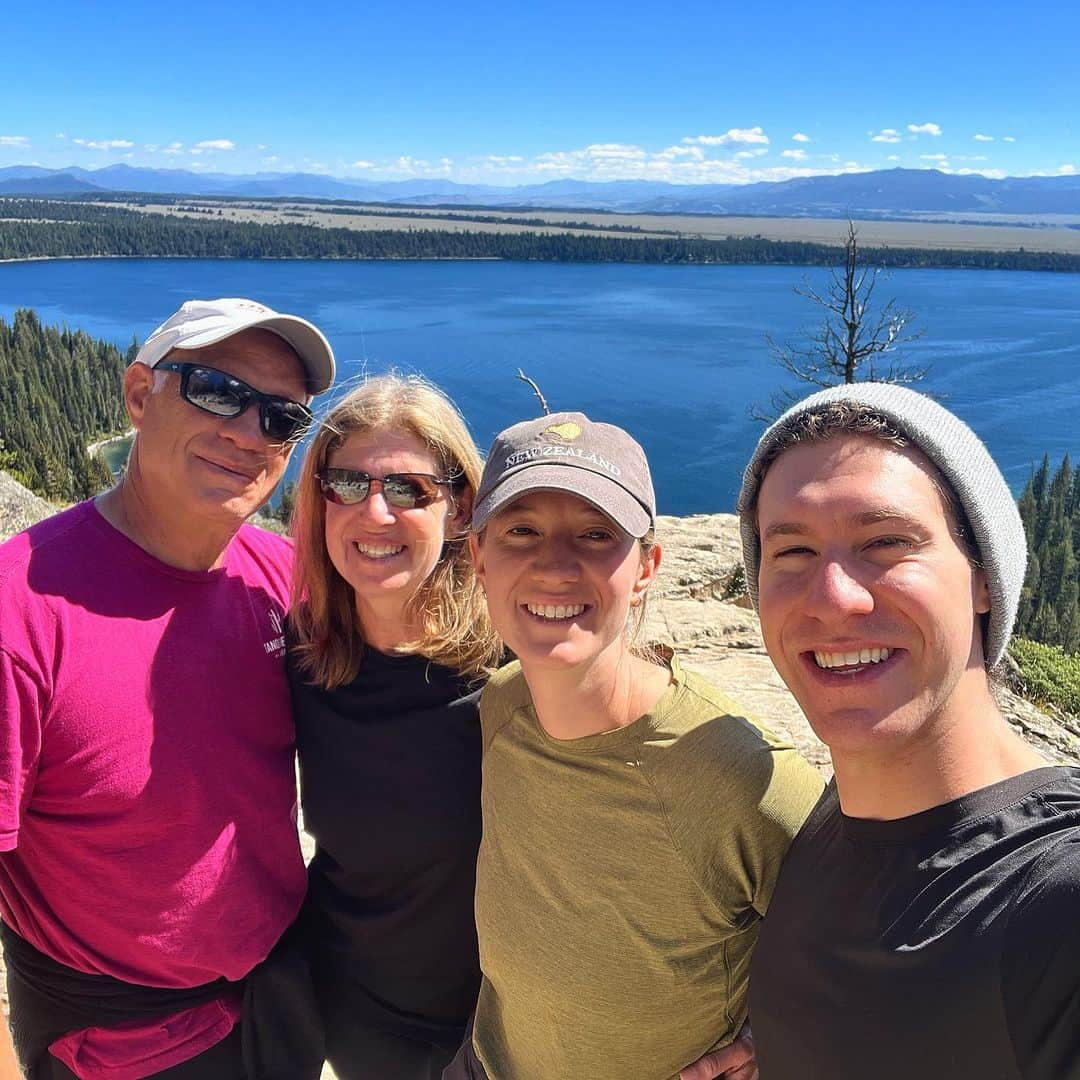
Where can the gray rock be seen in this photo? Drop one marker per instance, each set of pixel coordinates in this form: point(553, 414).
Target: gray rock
point(19, 508)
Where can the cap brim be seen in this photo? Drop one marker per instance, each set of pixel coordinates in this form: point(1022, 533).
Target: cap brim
point(308, 341)
point(609, 497)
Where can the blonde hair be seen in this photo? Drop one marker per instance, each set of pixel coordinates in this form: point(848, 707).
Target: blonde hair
point(449, 606)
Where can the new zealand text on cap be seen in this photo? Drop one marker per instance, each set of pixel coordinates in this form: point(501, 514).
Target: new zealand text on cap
point(599, 463)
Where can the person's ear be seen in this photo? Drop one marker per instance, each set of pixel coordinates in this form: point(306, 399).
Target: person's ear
point(981, 592)
point(476, 553)
point(138, 387)
point(647, 571)
point(458, 524)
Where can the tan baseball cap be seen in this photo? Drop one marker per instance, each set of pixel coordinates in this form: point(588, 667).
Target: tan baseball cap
point(206, 322)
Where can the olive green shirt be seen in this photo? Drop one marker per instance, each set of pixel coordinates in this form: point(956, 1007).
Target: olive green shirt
point(621, 879)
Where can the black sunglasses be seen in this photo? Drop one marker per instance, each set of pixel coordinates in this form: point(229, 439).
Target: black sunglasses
point(405, 490)
point(282, 420)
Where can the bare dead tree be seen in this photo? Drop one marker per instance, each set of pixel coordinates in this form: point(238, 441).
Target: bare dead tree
point(854, 343)
point(536, 390)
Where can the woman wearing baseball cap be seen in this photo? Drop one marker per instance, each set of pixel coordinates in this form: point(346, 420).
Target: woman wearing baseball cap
point(389, 639)
point(634, 819)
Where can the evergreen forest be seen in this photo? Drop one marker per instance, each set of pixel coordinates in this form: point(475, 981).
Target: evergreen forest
point(59, 390)
point(36, 228)
point(1050, 603)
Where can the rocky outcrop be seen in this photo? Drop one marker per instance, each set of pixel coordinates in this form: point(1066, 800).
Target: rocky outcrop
point(19, 508)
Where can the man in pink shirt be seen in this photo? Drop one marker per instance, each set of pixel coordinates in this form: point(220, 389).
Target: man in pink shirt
point(148, 849)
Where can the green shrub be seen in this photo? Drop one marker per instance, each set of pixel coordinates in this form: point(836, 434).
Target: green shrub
point(1050, 674)
point(735, 586)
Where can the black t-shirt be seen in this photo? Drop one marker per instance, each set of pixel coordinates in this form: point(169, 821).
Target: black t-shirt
point(390, 782)
point(941, 945)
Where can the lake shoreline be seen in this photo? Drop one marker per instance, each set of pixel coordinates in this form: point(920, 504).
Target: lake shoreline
point(702, 264)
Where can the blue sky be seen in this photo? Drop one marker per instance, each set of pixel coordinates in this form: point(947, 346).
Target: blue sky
point(508, 93)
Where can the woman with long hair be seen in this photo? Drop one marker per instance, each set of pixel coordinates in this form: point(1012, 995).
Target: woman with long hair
point(389, 640)
point(634, 820)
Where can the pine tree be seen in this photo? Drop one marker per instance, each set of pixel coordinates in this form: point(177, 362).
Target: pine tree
point(1049, 506)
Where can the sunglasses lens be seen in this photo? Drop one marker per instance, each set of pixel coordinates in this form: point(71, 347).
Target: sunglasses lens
point(216, 392)
point(344, 486)
point(403, 490)
point(406, 490)
point(285, 421)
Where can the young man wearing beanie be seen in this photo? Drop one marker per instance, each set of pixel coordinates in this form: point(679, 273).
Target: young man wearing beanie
point(925, 922)
point(148, 848)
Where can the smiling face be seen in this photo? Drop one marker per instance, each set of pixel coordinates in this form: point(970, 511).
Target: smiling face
point(216, 469)
point(561, 579)
point(869, 606)
point(384, 552)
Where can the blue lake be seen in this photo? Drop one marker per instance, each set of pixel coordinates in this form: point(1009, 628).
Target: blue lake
point(673, 353)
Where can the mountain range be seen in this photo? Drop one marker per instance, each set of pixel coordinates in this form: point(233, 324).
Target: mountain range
point(890, 193)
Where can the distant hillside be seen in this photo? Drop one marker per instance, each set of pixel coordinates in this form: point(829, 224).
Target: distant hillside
point(891, 193)
point(60, 184)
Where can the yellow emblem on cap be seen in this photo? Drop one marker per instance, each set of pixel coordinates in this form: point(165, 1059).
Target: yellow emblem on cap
point(567, 432)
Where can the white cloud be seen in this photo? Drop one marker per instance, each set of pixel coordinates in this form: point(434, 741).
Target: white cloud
point(889, 135)
point(410, 166)
point(732, 135)
point(104, 144)
point(615, 152)
point(14, 140)
point(934, 157)
point(990, 174)
point(260, 146)
point(1008, 138)
point(800, 137)
point(893, 157)
point(798, 155)
point(983, 138)
point(585, 164)
point(694, 153)
point(1066, 170)
point(273, 159)
point(690, 162)
point(924, 129)
point(174, 148)
point(61, 135)
point(215, 144)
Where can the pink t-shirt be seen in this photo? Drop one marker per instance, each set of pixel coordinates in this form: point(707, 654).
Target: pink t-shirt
point(147, 794)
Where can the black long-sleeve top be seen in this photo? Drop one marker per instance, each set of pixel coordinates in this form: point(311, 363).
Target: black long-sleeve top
point(390, 782)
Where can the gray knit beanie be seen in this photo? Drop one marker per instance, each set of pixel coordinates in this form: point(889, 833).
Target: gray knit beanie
point(962, 460)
